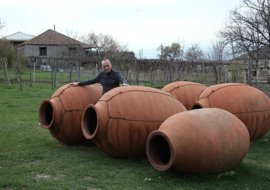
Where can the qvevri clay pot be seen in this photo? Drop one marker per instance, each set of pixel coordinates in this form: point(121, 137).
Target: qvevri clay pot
point(121, 120)
point(249, 104)
point(62, 113)
point(185, 91)
point(209, 140)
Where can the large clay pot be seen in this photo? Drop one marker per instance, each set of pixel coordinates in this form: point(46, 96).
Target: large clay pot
point(121, 120)
point(184, 91)
point(209, 140)
point(62, 113)
point(249, 104)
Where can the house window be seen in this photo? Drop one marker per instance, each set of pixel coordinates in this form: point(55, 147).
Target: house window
point(254, 73)
point(43, 51)
point(72, 50)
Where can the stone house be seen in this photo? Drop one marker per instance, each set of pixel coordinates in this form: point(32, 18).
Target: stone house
point(258, 64)
point(51, 45)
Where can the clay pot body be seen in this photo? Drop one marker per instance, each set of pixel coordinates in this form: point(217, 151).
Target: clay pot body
point(249, 104)
point(184, 91)
point(209, 140)
point(62, 113)
point(121, 120)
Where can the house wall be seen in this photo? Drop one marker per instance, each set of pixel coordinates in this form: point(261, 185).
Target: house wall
point(52, 51)
point(259, 73)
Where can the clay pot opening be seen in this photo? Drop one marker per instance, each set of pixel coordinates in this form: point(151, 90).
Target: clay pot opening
point(89, 122)
point(196, 106)
point(159, 151)
point(46, 115)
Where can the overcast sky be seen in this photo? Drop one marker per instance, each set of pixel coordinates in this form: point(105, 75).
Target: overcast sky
point(139, 24)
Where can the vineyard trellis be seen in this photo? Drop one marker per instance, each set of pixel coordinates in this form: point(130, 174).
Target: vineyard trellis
point(139, 71)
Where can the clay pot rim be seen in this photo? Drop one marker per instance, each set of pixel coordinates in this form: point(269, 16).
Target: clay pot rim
point(154, 162)
point(197, 105)
point(84, 123)
point(42, 112)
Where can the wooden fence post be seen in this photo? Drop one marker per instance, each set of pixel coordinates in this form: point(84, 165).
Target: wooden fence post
point(5, 62)
point(54, 72)
point(52, 81)
point(30, 77)
point(70, 71)
point(19, 79)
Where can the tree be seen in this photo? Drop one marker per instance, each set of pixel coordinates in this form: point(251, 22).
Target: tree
point(2, 24)
point(161, 55)
point(7, 51)
point(105, 46)
point(72, 34)
point(7, 57)
point(194, 53)
point(216, 54)
point(249, 27)
point(102, 42)
point(249, 31)
point(172, 52)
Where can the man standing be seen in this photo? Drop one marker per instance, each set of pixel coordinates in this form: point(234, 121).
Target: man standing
point(108, 78)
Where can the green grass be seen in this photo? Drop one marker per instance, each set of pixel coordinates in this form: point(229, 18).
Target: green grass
point(30, 158)
point(43, 76)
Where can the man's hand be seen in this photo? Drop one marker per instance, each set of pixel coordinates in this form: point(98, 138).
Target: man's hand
point(124, 84)
point(74, 83)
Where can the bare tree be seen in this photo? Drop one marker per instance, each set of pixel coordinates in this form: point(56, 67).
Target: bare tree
point(2, 24)
point(72, 34)
point(249, 31)
point(217, 52)
point(105, 46)
point(216, 55)
point(102, 42)
point(161, 55)
point(194, 53)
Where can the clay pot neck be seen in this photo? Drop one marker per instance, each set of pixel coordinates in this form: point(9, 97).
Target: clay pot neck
point(160, 151)
point(196, 106)
point(89, 122)
point(46, 114)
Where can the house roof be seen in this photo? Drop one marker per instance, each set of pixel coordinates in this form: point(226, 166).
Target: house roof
point(19, 36)
point(262, 53)
point(51, 37)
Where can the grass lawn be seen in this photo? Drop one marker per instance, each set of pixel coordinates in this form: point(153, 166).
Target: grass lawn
point(30, 158)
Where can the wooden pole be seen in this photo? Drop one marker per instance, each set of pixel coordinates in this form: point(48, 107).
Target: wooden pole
point(137, 72)
point(19, 79)
point(51, 73)
point(54, 72)
point(70, 72)
point(34, 74)
point(6, 72)
point(30, 78)
point(78, 69)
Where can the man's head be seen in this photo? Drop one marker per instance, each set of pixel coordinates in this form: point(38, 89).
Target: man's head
point(106, 65)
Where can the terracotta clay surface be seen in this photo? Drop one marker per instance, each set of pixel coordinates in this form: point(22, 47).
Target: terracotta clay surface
point(209, 140)
point(125, 116)
point(185, 91)
point(62, 113)
point(249, 104)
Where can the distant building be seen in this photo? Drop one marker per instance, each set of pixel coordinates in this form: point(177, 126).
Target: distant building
point(258, 63)
point(54, 48)
point(18, 38)
point(51, 44)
